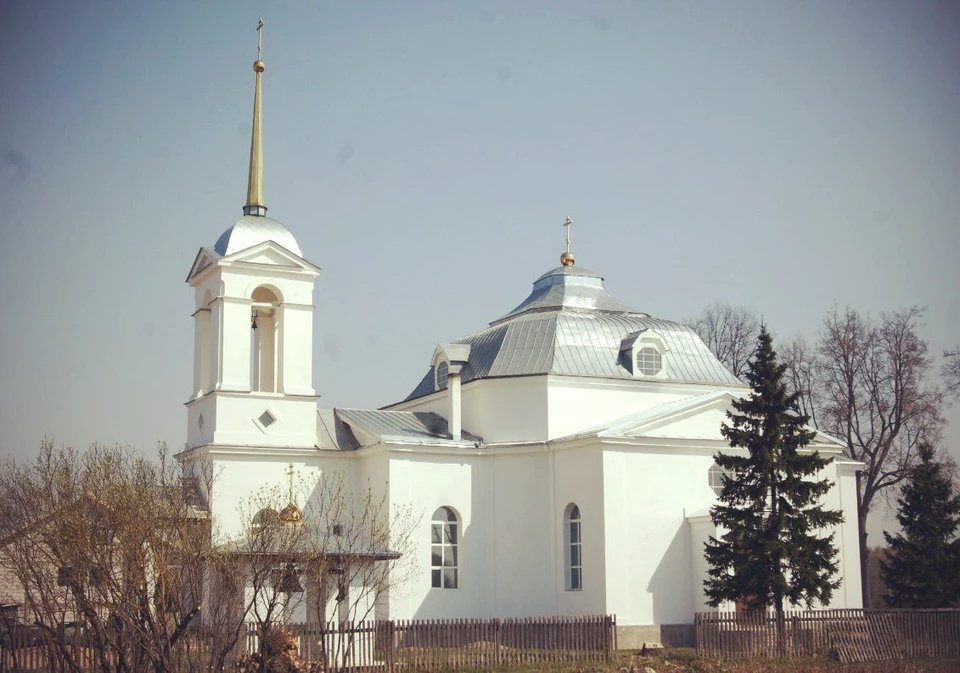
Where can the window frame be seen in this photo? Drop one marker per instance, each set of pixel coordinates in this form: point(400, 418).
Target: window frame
point(445, 541)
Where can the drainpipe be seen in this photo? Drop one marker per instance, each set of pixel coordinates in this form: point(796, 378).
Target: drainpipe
point(454, 421)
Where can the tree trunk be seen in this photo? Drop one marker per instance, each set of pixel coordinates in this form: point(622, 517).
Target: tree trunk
point(781, 629)
point(864, 556)
point(862, 538)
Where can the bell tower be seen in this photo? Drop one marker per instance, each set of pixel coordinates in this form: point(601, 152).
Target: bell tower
point(253, 326)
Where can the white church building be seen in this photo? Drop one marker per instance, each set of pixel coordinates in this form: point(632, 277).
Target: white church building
point(558, 460)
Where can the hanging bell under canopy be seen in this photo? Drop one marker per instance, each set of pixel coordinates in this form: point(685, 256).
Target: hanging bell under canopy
point(288, 582)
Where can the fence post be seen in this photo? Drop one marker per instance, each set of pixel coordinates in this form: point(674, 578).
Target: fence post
point(496, 640)
point(390, 646)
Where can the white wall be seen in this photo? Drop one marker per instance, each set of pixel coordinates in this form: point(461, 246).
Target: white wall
point(522, 541)
point(428, 481)
point(230, 419)
point(648, 547)
point(241, 482)
point(498, 410)
point(843, 495)
point(578, 478)
point(536, 408)
point(700, 528)
point(579, 403)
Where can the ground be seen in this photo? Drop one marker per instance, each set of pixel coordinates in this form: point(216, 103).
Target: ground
point(685, 660)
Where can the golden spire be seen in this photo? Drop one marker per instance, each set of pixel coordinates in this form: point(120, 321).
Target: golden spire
point(255, 205)
point(566, 259)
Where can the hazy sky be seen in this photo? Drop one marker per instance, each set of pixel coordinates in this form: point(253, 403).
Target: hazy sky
point(779, 155)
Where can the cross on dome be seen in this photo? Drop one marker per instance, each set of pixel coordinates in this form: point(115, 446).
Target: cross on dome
point(567, 258)
point(291, 513)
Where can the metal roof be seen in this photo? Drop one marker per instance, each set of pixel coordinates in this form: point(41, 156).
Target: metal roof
point(251, 230)
point(404, 426)
point(333, 434)
point(571, 325)
point(568, 287)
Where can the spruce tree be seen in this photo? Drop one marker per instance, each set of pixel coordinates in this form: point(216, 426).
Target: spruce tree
point(773, 547)
point(922, 569)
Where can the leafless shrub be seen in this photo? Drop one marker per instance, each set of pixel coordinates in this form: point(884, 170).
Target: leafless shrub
point(109, 552)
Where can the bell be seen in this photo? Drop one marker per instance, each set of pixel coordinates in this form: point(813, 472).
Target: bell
point(253, 320)
point(288, 582)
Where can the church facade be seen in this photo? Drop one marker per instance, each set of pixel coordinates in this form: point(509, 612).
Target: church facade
point(558, 461)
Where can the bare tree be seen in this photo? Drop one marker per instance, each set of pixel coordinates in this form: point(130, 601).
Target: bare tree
point(801, 376)
point(110, 551)
point(334, 561)
point(951, 371)
point(867, 383)
point(730, 332)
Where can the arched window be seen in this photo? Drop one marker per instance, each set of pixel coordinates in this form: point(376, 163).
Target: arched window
point(444, 539)
point(574, 548)
point(264, 364)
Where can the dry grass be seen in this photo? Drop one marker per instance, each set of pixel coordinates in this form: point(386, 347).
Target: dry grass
point(685, 660)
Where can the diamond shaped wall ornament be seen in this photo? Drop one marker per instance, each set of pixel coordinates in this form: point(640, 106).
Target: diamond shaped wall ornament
point(266, 419)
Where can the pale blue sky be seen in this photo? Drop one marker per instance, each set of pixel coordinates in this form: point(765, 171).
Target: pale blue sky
point(779, 155)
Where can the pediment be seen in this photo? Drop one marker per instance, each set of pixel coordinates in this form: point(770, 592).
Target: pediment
point(270, 253)
point(704, 424)
point(699, 418)
point(205, 259)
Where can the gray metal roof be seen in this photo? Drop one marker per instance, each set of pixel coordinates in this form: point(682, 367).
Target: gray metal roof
point(568, 287)
point(409, 426)
point(333, 434)
point(570, 325)
point(251, 230)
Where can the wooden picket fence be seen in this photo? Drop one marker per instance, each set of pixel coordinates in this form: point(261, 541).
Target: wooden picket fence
point(452, 644)
point(387, 646)
point(847, 635)
point(31, 650)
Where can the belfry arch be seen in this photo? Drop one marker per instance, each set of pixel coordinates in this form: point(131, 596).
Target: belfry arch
point(266, 337)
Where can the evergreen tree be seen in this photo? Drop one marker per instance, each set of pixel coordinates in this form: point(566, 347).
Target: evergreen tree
point(773, 547)
point(923, 567)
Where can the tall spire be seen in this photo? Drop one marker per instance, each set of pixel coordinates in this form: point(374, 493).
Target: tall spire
point(566, 259)
point(255, 205)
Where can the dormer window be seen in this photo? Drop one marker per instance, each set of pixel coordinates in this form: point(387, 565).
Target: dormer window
point(447, 359)
point(443, 367)
point(641, 353)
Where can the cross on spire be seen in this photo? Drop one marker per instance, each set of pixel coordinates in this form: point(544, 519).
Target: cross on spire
point(259, 38)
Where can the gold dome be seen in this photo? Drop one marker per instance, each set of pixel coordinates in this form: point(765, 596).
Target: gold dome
point(258, 66)
point(567, 259)
point(291, 515)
